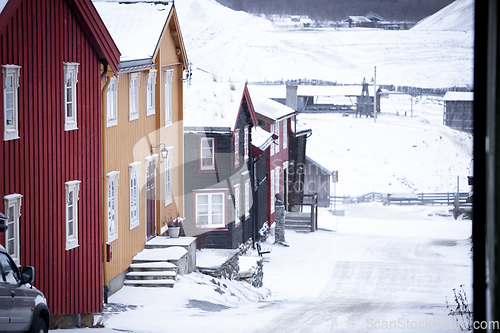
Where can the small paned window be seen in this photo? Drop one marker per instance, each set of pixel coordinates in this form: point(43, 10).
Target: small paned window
point(210, 210)
point(236, 148)
point(237, 204)
point(207, 154)
point(133, 170)
point(111, 102)
point(10, 75)
point(12, 204)
point(150, 93)
point(247, 199)
point(272, 187)
point(168, 74)
point(70, 109)
point(245, 142)
point(134, 82)
point(285, 134)
point(273, 148)
point(72, 196)
point(112, 205)
point(168, 176)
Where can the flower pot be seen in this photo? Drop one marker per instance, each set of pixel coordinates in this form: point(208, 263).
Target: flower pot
point(173, 232)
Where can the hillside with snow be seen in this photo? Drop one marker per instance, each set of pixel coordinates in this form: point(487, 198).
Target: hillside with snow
point(457, 16)
point(242, 47)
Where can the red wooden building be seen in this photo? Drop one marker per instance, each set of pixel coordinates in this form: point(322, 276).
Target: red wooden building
point(51, 54)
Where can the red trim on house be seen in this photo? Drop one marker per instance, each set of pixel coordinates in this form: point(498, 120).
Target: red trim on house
point(225, 191)
point(214, 170)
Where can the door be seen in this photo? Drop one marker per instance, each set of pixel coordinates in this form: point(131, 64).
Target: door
point(150, 199)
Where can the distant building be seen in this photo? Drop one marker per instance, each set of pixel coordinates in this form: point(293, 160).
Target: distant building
point(458, 110)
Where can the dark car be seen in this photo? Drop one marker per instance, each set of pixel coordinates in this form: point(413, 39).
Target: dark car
point(23, 308)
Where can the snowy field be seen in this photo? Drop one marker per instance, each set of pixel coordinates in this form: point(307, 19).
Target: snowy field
point(377, 264)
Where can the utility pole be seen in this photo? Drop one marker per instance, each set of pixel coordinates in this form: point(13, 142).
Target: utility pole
point(375, 95)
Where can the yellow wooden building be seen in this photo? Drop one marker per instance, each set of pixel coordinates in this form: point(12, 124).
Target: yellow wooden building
point(142, 131)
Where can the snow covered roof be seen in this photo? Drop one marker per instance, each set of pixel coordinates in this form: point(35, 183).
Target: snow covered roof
point(458, 96)
point(136, 27)
point(261, 138)
point(268, 108)
point(211, 101)
point(357, 19)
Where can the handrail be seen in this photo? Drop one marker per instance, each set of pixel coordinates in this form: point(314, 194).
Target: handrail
point(298, 200)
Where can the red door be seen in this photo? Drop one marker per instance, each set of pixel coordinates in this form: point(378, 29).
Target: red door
point(150, 200)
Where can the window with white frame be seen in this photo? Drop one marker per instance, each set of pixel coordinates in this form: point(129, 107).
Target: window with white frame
point(133, 176)
point(112, 102)
point(112, 206)
point(10, 75)
point(247, 199)
point(168, 175)
point(207, 154)
point(277, 132)
point(72, 189)
point(236, 147)
point(277, 180)
point(272, 187)
point(134, 81)
point(168, 74)
point(285, 133)
point(150, 92)
point(273, 148)
point(12, 204)
point(210, 210)
point(70, 81)
point(237, 204)
point(245, 143)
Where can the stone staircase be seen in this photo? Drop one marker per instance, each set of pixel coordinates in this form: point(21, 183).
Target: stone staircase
point(160, 262)
point(297, 221)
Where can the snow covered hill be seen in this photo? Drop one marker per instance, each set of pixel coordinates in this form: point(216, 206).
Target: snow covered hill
point(457, 16)
point(242, 47)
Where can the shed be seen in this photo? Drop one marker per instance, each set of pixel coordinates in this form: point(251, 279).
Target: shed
point(317, 180)
point(458, 110)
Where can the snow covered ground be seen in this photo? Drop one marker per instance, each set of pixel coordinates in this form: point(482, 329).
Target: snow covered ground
point(377, 264)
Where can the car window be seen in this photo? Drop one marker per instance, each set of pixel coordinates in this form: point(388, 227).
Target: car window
point(9, 272)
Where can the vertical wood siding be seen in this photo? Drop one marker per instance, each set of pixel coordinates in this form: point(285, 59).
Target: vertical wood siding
point(42, 35)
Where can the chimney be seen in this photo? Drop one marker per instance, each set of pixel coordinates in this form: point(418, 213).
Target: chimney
point(291, 96)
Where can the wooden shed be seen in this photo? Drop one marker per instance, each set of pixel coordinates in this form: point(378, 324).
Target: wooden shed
point(52, 53)
point(458, 110)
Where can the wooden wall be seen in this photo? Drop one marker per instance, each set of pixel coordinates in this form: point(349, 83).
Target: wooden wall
point(42, 35)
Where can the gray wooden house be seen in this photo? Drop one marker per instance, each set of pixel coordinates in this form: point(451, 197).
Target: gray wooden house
point(458, 110)
point(317, 180)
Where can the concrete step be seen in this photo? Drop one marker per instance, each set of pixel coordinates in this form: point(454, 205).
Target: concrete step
point(152, 266)
point(156, 275)
point(299, 228)
point(172, 254)
point(297, 222)
point(150, 283)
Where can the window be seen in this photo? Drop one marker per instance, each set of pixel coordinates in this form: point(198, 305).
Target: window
point(272, 187)
point(150, 94)
point(207, 154)
point(168, 176)
point(72, 190)
point(70, 80)
point(210, 210)
point(8, 270)
point(133, 176)
point(277, 179)
point(247, 199)
point(112, 209)
point(285, 134)
point(236, 204)
point(245, 143)
point(10, 74)
point(12, 204)
point(168, 73)
point(273, 149)
point(111, 102)
point(134, 80)
point(236, 147)
point(277, 132)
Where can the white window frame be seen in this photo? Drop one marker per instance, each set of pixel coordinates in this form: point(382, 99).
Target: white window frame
point(236, 204)
point(245, 143)
point(134, 81)
point(133, 182)
point(277, 173)
point(277, 132)
point(151, 93)
point(272, 187)
point(210, 195)
point(112, 102)
point(247, 199)
point(11, 131)
point(273, 143)
point(285, 133)
point(169, 176)
point(112, 205)
point(202, 149)
point(236, 147)
point(72, 191)
point(14, 201)
point(70, 122)
point(168, 74)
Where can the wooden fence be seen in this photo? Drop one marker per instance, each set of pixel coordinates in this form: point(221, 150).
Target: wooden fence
point(406, 198)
